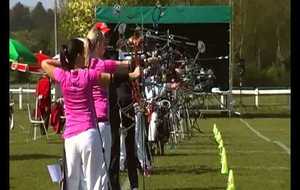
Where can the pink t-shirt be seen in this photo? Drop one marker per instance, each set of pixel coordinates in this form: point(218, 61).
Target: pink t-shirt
point(77, 92)
point(100, 94)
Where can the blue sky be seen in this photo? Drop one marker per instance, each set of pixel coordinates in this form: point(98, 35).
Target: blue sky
point(31, 3)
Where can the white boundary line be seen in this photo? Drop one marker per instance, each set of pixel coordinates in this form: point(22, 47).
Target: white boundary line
point(281, 145)
point(254, 131)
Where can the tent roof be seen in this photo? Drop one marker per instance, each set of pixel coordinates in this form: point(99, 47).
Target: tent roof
point(170, 14)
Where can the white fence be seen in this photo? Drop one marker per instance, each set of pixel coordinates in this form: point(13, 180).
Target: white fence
point(256, 92)
point(20, 91)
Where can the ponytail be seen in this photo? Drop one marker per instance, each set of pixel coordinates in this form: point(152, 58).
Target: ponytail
point(64, 58)
point(68, 53)
point(93, 37)
point(87, 44)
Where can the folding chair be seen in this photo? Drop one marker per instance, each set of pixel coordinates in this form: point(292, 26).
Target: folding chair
point(36, 123)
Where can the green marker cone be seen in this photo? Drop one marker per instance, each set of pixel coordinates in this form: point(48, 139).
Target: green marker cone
point(215, 130)
point(224, 169)
point(221, 144)
point(218, 137)
point(230, 183)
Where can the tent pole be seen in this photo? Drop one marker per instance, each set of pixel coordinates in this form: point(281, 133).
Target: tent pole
point(231, 58)
point(55, 28)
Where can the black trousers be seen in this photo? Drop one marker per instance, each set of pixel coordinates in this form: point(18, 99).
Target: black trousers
point(114, 168)
point(130, 148)
point(131, 158)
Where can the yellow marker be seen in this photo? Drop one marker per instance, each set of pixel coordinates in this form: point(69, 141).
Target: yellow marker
point(224, 169)
point(221, 144)
point(230, 183)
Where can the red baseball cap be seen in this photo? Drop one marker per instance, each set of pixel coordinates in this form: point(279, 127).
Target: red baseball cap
point(102, 27)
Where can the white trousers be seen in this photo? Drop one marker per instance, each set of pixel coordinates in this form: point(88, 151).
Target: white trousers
point(152, 127)
point(105, 132)
point(140, 129)
point(123, 135)
point(83, 159)
point(140, 146)
point(104, 128)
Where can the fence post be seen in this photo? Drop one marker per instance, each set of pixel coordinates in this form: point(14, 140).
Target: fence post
point(20, 97)
point(222, 101)
point(256, 97)
point(289, 102)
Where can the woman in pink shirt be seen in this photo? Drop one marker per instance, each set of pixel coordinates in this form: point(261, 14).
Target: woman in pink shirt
point(95, 51)
point(82, 139)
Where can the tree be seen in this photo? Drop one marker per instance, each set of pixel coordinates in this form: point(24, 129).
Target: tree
point(77, 17)
point(49, 19)
point(262, 28)
point(19, 18)
point(39, 16)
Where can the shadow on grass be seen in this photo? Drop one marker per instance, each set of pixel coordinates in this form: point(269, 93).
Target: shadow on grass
point(173, 155)
point(196, 147)
point(55, 142)
point(201, 153)
point(32, 156)
point(194, 188)
point(170, 153)
point(202, 169)
point(197, 144)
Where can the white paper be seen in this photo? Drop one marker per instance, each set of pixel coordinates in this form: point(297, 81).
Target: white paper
point(55, 172)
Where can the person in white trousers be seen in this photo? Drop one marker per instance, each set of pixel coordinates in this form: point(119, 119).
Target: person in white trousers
point(140, 144)
point(140, 135)
point(82, 138)
point(95, 50)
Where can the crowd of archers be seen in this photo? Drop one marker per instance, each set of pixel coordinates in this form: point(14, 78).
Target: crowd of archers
point(121, 103)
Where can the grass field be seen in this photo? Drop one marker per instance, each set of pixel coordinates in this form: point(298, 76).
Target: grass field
point(256, 164)
point(194, 163)
point(268, 105)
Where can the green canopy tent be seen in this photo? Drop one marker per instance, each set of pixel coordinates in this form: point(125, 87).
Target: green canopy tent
point(171, 14)
point(213, 24)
